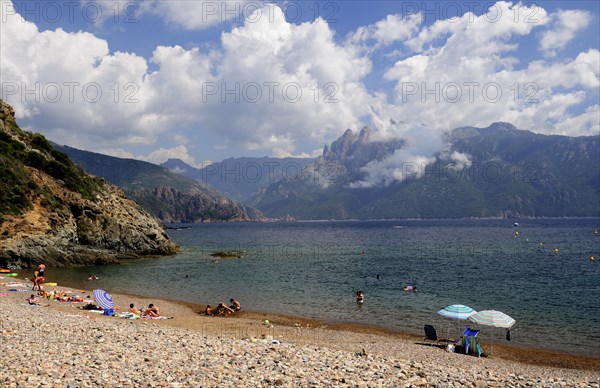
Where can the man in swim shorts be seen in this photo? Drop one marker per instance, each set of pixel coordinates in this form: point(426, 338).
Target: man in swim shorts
point(235, 305)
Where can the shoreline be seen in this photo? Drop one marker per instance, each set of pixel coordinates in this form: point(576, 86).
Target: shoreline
point(287, 325)
point(74, 347)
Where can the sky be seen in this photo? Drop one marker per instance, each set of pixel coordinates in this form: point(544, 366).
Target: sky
point(207, 80)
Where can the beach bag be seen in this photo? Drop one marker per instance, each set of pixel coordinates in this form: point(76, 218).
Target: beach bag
point(109, 312)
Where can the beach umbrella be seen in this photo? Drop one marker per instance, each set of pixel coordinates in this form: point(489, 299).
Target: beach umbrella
point(456, 311)
point(492, 318)
point(104, 299)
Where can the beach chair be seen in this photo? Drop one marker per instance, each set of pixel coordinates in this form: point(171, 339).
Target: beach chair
point(431, 335)
point(470, 340)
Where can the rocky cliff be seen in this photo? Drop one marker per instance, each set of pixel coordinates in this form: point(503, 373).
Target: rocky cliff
point(53, 212)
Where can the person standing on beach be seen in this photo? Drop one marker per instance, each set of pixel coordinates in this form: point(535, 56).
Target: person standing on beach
point(39, 277)
point(41, 269)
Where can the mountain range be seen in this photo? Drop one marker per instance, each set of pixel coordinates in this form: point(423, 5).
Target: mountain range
point(171, 197)
point(503, 172)
point(241, 178)
point(509, 173)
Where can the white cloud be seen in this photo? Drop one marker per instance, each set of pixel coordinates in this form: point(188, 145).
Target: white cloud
point(200, 14)
point(467, 76)
point(292, 82)
point(421, 144)
point(243, 92)
point(565, 25)
point(75, 84)
point(393, 28)
point(163, 154)
point(281, 153)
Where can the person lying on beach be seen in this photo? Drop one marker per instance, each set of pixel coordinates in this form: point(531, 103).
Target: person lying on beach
point(134, 310)
point(152, 311)
point(222, 309)
point(33, 300)
point(90, 306)
point(235, 305)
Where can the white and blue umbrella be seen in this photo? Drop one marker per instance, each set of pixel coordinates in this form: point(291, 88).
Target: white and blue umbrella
point(457, 311)
point(104, 299)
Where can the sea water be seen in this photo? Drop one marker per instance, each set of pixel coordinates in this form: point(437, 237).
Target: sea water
point(541, 276)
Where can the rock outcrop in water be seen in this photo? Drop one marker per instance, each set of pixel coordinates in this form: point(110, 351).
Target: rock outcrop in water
point(52, 211)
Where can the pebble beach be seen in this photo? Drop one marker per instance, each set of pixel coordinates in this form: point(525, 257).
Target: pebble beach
point(59, 345)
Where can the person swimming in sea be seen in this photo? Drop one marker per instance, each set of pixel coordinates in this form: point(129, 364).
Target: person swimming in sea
point(410, 288)
point(360, 297)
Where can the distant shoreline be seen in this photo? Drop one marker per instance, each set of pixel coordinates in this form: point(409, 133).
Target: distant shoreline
point(181, 225)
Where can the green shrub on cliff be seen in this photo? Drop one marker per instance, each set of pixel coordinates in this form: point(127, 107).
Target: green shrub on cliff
point(34, 150)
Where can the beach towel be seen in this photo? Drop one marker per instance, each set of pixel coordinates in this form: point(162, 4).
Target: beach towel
point(161, 317)
point(129, 316)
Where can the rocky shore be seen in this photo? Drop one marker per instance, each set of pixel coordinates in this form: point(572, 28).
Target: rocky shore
point(62, 346)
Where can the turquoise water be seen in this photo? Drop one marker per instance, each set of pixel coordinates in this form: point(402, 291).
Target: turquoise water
point(313, 269)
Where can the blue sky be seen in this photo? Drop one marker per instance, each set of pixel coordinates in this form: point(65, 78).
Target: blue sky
point(204, 80)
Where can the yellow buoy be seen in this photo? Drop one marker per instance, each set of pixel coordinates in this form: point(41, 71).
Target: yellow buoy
point(592, 258)
point(555, 250)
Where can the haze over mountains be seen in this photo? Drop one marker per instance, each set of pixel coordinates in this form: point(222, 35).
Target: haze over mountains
point(240, 178)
